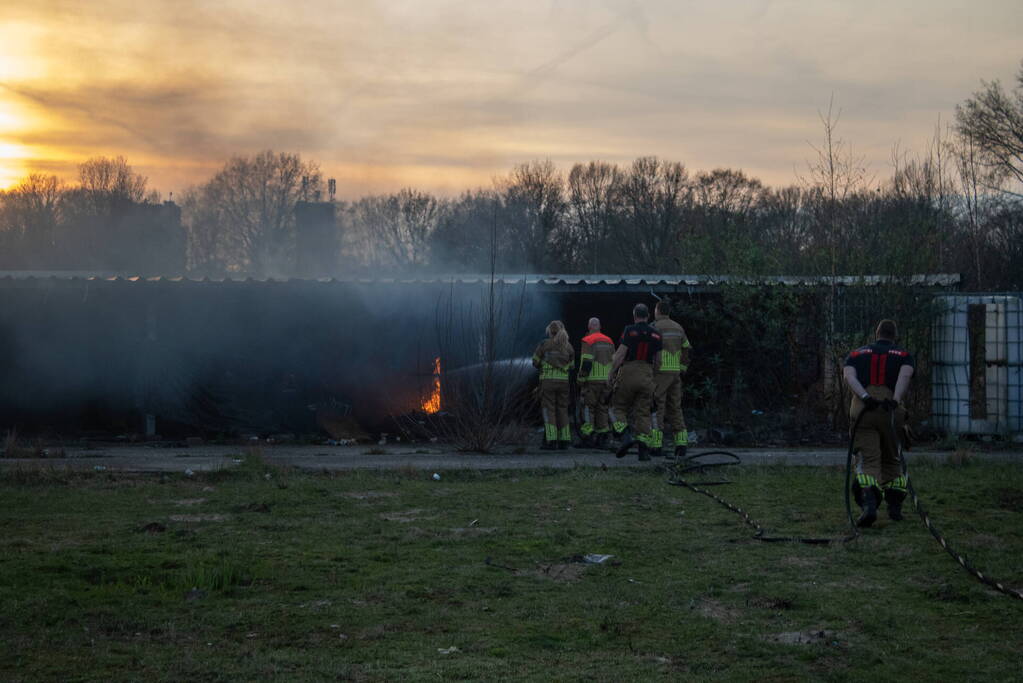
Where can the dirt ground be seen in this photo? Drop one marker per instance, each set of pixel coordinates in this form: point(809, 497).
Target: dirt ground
point(430, 457)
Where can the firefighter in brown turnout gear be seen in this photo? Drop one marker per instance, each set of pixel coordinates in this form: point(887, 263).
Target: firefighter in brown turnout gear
point(878, 375)
point(595, 356)
point(667, 411)
point(638, 351)
point(553, 358)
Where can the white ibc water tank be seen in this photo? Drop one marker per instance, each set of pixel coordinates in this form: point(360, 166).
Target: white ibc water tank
point(977, 365)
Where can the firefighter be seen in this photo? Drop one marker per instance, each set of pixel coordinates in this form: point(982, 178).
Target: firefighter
point(667, 410)
point(878, 376)
point(553, 358)
point(632, 370)
point(595, 356)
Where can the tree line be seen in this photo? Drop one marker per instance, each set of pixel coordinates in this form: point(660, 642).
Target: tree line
point(110, 220)
point(953, 208)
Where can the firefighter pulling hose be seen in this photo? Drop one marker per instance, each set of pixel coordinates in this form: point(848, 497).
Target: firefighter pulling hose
point(878, 376)
point(693, 463)
point(876, 440)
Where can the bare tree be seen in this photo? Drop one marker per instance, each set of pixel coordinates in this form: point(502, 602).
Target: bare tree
point(394, 230)
point(420, 213)
point(534, 212)
point(363, 245)
point(969, 174)
point(29, 216)
point(787, 226)
point(728, 191)
point(205, 254)
point(247, 210)
point(463, 235)
point(921, 187)
point(111, 181)
point(993, 121)
point(834, 175)
point(832, 178)
point(593, 196)
point(655, 196)
point(724, 207)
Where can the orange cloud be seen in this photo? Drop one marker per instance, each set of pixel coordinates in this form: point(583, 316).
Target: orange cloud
point(444, 95)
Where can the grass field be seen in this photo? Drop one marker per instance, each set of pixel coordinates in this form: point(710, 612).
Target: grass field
point(263, 573)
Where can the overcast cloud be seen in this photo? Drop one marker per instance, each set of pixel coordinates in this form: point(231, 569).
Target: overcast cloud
point(445, 94)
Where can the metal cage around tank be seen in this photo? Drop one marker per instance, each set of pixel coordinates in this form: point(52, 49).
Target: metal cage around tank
point(977, 364)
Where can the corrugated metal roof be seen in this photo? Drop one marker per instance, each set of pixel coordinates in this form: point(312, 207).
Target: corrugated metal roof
point(627, 280)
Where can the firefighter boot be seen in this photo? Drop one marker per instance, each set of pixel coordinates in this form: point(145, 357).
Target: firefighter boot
point(602, 439)
point(586, 441)
point(627, 442)
point(657, 439)
point(869, 505)
point(549, 445)
point(644, 451)
point(680, 452)
point(893, 498)
point(563, 445)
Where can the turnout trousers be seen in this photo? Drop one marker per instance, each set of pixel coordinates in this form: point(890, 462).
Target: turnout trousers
point(554, 406)
point(667, 409)
point(594, 411)
point(633, 396)
point(875, 445)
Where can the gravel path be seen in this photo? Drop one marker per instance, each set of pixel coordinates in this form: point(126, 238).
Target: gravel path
point(432, 458)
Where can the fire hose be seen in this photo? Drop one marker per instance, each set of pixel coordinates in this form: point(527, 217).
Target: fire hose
point(940, 538)
point(692, 463)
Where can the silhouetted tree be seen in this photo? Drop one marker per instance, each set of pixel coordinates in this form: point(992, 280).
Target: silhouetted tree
point(461, 242)
point(30, 214)
point(655, 196)
point(394, 230)
point(244, 216)
point(993, 122)
point(533, 199)
point(723, 226)
point(594, 191)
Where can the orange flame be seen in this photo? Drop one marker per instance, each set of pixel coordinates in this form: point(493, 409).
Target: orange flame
point(432, 404)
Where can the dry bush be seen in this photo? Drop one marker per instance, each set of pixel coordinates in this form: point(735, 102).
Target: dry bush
point(13, 447)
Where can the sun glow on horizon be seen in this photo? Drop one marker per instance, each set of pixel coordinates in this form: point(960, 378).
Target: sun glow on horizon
point(8, 178)
point(12, 167)
point(13, 68)
point(447, 111)
point(14, 156)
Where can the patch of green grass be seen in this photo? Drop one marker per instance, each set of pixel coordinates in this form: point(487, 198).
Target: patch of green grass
point(378, 575)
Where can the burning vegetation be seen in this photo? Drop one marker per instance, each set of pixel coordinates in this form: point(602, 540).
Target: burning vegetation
point(431, 404)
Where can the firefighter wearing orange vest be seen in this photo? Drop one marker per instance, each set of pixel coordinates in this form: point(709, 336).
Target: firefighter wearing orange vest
point(596, 353)
point(553, 358)
point(878, 376)
point(667, 411)
point(639, 349)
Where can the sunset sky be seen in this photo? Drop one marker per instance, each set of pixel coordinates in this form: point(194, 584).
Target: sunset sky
point(445, 94)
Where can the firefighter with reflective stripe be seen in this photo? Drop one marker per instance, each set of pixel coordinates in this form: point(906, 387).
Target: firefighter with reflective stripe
point(878, 376)
point(596, 353)
point(667, 410)
point(553, 358)
point(639, 349)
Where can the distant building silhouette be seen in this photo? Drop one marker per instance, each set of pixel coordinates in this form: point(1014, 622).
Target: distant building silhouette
point(316, 239)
